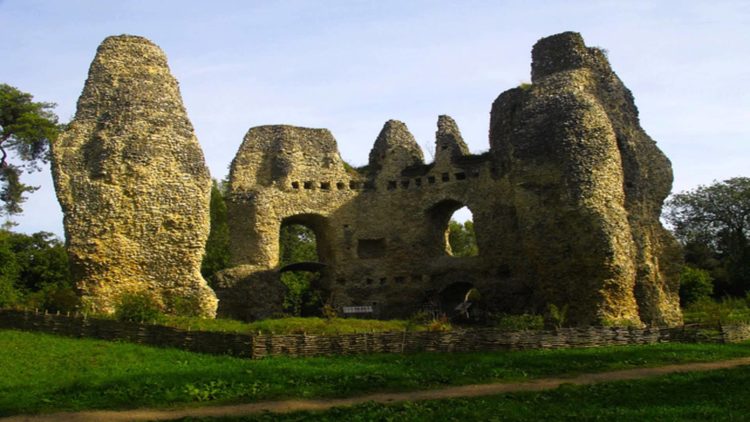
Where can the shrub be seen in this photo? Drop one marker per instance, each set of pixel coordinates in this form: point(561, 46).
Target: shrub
point(518, 322)
point(138, 307)
point(695, 284)
point(712, 313)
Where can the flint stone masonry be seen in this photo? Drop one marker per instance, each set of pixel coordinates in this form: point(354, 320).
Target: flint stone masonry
point(566, 206)
point(131, 179)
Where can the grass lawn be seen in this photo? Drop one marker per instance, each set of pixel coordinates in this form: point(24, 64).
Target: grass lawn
point(42, 373)
point(698, 396)
point(292, 325)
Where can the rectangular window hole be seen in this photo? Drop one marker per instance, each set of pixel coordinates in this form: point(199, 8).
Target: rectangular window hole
point(340, 185)
point(325, 185)
point(405, 184)
point(431, 180)
point(475, 173)
point(399, 280)
point(418, 182)
point(295, 185)
point(308, 185)
point(391, 184)
point(446, 177)
point(371, 248)
point(383, 280)
point(460, 176)
point(368, 281)
point(341, 281)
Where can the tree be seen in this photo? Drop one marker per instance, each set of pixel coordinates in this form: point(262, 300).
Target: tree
point(297, 243)
point(34, 272)
point(26, 130)
point(713, 224)
point(462, 239)
point(695, 285)
point(216, 257)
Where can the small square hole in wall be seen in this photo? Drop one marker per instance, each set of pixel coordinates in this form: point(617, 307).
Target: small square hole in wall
point(308, 185)
point(391, 185)
point(418, 182)
point(295, 185)
point(460, 176)
point(404, 184)
point(340, 185)
point(475, 173)
point(431, 180)
point(383, 281)
point(341, 281)
point(399, 279)
point(353, 185)
point(325, 185)
point(368, 281)
point(446, 177)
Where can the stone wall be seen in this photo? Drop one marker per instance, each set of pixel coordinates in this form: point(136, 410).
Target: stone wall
point(565, 205)
point(262, 345)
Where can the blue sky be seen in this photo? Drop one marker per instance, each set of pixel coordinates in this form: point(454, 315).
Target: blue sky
point(351, 65)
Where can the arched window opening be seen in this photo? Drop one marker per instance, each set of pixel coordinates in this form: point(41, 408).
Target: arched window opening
point(452, 229)
point(461, 239)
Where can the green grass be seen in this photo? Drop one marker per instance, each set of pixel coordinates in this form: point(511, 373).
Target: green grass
point(289, 325)
point(42, 373)
point(697, 396)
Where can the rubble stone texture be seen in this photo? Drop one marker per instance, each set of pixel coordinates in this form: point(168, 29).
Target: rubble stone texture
point(131, 179)
point(566, 206)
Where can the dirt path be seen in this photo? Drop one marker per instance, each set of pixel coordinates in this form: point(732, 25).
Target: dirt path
point(287, 406)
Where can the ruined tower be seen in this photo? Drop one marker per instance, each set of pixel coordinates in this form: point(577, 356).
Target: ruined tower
point(133, 186)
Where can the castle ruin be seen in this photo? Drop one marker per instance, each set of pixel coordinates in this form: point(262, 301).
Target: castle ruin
point(566, 203)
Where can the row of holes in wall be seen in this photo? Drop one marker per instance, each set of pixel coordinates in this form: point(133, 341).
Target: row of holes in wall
point(382, 281)
point(353, 185)
point(431, 180)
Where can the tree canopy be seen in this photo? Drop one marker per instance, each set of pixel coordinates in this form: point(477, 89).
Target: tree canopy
point(713, 224)
point(217, 256)
point(462, 239)
point(26, 130)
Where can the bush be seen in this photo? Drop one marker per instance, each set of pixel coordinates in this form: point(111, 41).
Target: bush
point(138, 307)
point(712, 313)
point(53, 298)
point(695, 284)
point(518, 322)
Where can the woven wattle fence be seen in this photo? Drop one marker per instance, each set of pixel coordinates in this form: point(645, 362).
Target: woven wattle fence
point(262, 345)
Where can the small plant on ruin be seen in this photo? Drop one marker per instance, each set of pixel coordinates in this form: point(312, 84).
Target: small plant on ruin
point(441, 323)
point(557, 315)
point(138, 307)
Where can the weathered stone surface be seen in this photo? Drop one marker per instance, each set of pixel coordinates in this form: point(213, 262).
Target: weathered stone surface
point(132, 183)
point(249, 293)
point(565, 204)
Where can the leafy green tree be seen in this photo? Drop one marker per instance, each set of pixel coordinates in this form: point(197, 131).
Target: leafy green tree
point(462, 239)
point(34, 272)
point(217, 255)
point(8, 271)
point(298, 244)
point(695, 285)
point(713, 224)
point(26, 130)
